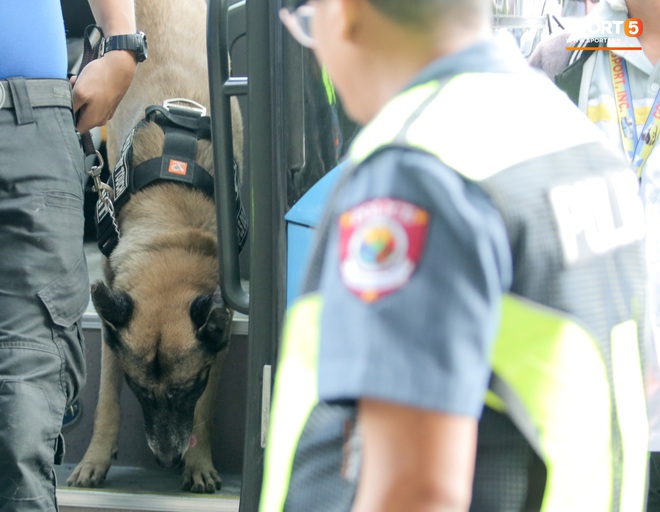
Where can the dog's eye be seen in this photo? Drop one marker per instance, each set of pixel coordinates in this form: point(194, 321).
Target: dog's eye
point(146, 393)
point(174, 392)
point(179, 391)
point(190, 389)
point(139, 391)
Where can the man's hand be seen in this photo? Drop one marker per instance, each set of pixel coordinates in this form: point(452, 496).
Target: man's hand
point(100, 87)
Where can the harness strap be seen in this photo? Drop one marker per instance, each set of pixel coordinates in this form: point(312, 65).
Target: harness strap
point(179, 152)
point(151, 171)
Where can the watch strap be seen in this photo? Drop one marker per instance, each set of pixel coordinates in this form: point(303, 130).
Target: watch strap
point(122, 42)
point(129, 42)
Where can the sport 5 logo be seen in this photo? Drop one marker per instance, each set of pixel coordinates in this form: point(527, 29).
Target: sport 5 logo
point(601, 31)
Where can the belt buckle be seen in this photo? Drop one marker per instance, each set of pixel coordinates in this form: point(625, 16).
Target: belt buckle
point(2, 95)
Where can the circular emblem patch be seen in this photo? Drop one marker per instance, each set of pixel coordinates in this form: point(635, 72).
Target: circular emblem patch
point(378, 244)
point(2, 95)
point(381, 242)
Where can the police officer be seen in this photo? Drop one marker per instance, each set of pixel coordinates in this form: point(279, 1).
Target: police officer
point(44, 286)
point(468, 334)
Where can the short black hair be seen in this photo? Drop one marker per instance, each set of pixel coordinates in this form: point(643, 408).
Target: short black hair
point(413, 12)
point(424, 12)
point(293, 4)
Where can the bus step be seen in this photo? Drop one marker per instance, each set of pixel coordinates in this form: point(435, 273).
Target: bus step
point(144, 489)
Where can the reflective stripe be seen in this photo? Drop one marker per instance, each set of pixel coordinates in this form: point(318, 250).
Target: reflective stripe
point(631, 414)
point(495, 402)
point(385, 127)
point(295, 395)
point(556, 369)
point(466, 154)
point(329, 88)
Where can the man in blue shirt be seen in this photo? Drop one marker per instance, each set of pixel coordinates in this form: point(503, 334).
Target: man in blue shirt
point(44, 285)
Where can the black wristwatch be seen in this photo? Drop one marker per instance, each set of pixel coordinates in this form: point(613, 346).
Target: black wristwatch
point(136, 43)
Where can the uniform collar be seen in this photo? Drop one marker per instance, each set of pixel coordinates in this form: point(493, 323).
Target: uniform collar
point(497, 54)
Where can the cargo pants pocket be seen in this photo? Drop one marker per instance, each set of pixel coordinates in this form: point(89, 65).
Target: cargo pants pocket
point(28, 430)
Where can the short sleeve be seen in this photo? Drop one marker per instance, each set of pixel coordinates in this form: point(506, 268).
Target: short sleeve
point(415, 268)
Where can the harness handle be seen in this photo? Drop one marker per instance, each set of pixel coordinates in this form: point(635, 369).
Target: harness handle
point(183, 103)
point(188, 118)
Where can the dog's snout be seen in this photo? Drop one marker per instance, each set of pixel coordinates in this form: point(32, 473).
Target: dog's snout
point(168, 462)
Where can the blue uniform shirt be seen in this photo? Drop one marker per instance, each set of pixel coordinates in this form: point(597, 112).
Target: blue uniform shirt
point(32, 39)
point(426, 340)
point(424, 337)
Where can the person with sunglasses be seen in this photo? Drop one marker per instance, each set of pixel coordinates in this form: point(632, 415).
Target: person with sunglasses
point(468, 336)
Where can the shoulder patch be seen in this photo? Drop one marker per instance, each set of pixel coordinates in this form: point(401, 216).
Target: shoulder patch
point(381, 241)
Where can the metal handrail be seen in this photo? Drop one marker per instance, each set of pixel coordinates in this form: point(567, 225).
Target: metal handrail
point(221, 88)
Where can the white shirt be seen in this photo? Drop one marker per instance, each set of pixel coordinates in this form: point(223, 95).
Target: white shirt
point(597, 100)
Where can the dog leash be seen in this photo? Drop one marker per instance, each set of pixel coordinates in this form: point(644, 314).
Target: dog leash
point(94, 162)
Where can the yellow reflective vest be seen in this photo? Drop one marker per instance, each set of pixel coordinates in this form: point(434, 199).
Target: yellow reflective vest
point(566, 363)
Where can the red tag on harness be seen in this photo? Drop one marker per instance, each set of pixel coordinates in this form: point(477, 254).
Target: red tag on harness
point(177, 167)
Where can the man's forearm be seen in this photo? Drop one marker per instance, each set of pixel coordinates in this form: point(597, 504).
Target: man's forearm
point(114, 16)
point(103, 83)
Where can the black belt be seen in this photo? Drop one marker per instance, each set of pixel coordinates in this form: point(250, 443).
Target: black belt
point(42, 93)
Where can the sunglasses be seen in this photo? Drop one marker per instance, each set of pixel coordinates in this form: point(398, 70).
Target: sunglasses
point(298, 21)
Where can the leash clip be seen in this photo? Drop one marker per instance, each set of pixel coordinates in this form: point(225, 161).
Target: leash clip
point(94, 172)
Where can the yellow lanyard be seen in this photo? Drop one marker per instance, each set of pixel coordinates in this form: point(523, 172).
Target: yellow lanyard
point(639, 148)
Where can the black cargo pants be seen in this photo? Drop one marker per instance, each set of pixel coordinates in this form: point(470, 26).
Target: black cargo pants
point(44, 285)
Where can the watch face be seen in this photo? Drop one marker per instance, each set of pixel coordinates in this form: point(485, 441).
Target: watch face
point(142, 52)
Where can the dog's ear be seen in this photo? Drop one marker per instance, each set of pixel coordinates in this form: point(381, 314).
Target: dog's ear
point(114, 308)
point(211, 320)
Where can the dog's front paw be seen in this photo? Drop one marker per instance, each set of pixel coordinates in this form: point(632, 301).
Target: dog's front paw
point(89, 473)
point(201, 478)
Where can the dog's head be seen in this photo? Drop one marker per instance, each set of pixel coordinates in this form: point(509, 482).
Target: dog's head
point(166, 346)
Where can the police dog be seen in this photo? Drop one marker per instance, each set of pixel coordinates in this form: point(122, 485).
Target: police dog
point(165, 330)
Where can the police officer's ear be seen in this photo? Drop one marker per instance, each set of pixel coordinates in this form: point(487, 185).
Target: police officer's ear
point(350, 17)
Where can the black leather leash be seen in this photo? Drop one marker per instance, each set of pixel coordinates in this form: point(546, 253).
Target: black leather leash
point(93, 39)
